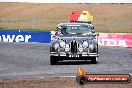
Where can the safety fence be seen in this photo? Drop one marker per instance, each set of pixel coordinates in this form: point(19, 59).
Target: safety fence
point(101, 25)
point(104, 39)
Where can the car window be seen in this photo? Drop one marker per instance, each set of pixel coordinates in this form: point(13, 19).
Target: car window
point(77, 29)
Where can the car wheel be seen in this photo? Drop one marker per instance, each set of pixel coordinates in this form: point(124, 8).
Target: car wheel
point(53, 60)
point(94, 60)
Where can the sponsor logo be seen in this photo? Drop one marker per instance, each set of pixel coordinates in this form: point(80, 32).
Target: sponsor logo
point(83, 77)
point(15, 38)
point(112, 42)
point(115, 39)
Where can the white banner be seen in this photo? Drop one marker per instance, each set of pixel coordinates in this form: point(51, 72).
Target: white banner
point(69, 1)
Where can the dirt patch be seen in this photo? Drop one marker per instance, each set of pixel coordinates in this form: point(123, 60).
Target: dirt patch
point(107, 17)
point(54, 82)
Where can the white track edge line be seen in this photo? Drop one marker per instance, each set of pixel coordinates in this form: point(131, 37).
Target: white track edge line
point(63, 76)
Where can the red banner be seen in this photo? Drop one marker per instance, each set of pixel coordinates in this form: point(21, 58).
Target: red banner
point(115, 39)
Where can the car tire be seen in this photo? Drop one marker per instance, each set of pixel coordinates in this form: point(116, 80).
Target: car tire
point(53, 60)
point(94, 60)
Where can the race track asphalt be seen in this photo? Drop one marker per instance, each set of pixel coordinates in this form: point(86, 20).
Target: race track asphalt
point(32, 59)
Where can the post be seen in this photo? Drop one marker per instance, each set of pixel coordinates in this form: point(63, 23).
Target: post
point(33, 23)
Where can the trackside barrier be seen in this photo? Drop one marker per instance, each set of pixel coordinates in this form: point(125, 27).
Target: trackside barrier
point(105, 39)
point(25, 36)
point(115, 39)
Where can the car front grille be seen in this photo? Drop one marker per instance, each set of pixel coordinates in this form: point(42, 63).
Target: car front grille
point(73, 47)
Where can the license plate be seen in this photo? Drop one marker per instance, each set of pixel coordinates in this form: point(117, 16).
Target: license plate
point(73, 55)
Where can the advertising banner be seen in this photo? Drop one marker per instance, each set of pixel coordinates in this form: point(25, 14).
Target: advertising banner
point(24, 36)
point(104, 39)
point(115, 39)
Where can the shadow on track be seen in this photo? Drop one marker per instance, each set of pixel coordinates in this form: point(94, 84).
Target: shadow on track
point(74, 62)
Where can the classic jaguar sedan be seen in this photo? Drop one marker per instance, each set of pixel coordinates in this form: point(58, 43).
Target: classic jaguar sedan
point(74, 41)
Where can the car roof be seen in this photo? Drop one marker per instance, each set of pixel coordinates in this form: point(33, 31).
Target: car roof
point(62, 24)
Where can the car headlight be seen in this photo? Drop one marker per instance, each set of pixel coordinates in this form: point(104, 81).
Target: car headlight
point(91, 46)
point(80, 48)
point(62, 44)
point(67, 48)
point(85, 44)
point(56, 46)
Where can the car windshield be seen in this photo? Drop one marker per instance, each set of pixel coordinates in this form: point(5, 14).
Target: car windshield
point(76, 29)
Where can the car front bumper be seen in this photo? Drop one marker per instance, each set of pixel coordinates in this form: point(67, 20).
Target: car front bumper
point(82, 54)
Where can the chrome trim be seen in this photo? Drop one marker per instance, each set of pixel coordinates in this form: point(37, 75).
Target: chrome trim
point(77, 55)
point(54, 54)
point(84, 55)
point(92, 53)
point(62, 55)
